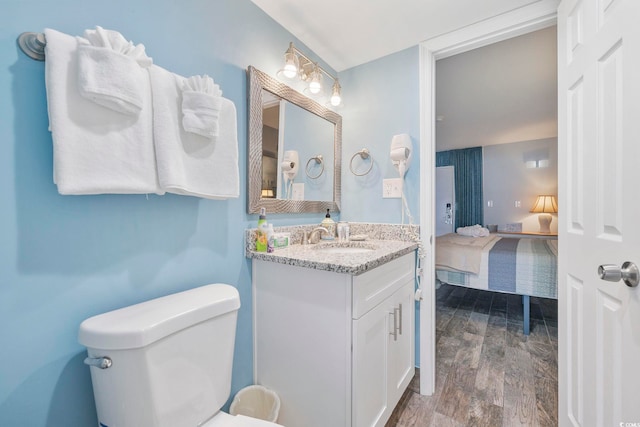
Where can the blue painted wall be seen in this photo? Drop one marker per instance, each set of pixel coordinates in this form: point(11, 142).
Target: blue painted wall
point(66, 258)
point(381, 99)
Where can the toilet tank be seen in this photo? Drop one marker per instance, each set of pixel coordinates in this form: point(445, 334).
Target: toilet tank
point(171, 358)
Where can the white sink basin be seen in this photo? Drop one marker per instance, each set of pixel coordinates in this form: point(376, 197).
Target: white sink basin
point(345, 248)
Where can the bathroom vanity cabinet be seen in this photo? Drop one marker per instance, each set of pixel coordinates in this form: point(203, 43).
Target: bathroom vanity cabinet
point(337, 348)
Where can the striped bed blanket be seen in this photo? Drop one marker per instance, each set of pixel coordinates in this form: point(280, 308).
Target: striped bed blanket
point(522, 266)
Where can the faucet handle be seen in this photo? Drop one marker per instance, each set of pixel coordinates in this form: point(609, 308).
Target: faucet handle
point(314, 235)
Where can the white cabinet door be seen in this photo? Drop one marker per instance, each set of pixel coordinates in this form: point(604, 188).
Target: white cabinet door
point(370, 359)
point(383, 357)
point(401, 366)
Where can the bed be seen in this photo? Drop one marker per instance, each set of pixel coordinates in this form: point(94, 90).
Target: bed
point(522, 266)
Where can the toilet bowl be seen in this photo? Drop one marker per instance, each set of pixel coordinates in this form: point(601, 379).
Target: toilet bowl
point(166, 362)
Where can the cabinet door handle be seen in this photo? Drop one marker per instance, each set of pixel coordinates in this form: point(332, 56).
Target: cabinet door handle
point(400, 321)
point(394, 313)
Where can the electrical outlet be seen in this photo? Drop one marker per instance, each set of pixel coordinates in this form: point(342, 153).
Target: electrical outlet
point(392, 188)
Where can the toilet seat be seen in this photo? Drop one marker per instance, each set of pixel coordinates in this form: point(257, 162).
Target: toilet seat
point(222, 419)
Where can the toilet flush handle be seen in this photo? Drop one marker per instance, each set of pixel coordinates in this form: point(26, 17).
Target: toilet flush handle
point(99, 362)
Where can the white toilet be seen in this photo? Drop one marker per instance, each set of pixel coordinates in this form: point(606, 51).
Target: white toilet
point(166, 362)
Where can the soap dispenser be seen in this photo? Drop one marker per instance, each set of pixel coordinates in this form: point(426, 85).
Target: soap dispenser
point(329, 224)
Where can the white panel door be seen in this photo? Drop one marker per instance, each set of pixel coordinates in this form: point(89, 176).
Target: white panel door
point(599, 176)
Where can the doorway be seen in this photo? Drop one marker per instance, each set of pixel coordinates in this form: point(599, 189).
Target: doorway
point(537, 16)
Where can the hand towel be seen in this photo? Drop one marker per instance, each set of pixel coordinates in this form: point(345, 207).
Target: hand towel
point(95, 150)
point(473, 231)
point(115, 41)
point(187, 164)
point(201, 103)
point(110, 70)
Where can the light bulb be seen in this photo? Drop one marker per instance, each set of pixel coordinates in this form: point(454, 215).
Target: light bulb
point(291, 63)
point(336, 99)
point(316, 81)
point(290, 71)
point(315, 87)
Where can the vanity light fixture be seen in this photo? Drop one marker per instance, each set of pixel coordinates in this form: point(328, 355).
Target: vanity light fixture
point(298, 64)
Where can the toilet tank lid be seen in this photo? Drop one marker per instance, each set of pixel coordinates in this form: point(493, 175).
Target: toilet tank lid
point(142, 324)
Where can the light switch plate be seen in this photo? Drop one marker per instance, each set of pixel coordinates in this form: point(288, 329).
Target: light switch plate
point(392, 188)
point(297, 191)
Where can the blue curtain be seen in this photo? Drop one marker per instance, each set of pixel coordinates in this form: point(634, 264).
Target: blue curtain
point(467, 164)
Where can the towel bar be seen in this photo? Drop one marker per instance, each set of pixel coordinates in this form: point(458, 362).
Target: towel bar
point(32, 44)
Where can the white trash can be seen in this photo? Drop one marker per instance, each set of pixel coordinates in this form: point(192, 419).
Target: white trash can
point(256, 401)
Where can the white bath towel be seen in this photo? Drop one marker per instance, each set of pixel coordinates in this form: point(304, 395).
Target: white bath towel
point(188, 164)
point(95, 150)
point(110, 70)
point(201, 103)
point(473, 231)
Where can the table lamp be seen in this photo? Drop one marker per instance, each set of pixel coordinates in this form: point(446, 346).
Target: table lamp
point(545, 205)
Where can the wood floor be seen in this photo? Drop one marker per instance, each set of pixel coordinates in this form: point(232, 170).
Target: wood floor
point(488, 373)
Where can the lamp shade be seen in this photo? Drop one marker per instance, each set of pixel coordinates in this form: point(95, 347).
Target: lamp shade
point(545, 204)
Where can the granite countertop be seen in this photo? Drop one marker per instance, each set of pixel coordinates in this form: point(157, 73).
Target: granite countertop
point(354, 263)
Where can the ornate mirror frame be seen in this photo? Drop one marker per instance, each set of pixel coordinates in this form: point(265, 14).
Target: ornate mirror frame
point(258, 81)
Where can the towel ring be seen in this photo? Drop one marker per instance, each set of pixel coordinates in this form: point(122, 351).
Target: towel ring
point(364, 154)
point(319, 161)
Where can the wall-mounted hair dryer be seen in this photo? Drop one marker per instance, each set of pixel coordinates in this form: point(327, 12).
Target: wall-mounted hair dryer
point(401, 153)
point(290, 165)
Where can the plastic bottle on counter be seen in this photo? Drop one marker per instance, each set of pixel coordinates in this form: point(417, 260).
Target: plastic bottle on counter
point(261, 232)
point(343, 231)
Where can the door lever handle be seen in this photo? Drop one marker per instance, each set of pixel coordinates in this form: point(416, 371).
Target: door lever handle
point(628, 273)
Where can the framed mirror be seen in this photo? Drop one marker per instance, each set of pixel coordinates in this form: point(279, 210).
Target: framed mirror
point(295, 145)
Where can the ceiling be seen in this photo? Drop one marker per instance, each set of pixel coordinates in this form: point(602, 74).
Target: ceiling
point(501, 93)
point(349, 33)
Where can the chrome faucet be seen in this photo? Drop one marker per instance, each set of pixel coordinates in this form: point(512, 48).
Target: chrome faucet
point(317, 232)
